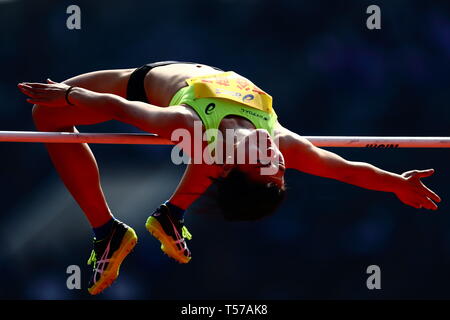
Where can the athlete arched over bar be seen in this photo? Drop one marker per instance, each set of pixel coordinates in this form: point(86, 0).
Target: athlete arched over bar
point(166, 96)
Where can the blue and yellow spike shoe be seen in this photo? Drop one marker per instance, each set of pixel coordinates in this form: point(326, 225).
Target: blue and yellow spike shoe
point(171, 233)
point(108, 255)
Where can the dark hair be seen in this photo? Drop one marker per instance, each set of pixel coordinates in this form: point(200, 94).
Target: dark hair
point(241, 199)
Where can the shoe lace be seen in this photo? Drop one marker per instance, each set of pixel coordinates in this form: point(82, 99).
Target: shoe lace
point(185, 233)
point(92, 258)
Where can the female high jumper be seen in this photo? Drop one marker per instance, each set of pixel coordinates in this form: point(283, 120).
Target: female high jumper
point(167, 96)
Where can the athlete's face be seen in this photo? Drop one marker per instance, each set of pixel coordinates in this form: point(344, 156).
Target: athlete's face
point(274, 170)
point(264, 162)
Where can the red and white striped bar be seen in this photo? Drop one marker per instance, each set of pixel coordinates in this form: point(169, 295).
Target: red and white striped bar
point(139, 138)
point(69, 137)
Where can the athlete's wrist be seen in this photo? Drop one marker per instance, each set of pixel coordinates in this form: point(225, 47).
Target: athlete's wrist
point(68, 91)
point(74, 95)
point(78, 96)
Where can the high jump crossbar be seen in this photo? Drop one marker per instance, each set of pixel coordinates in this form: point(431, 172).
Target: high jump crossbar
point(140, 138)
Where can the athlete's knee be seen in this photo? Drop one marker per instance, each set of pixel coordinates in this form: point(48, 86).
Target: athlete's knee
point(38, 115)
point(42, 119)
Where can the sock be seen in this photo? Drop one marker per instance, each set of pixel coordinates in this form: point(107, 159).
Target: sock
point(104, 230)
point(175, 212)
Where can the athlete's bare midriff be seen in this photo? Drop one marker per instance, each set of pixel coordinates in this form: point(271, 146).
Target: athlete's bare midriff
point(161, 83)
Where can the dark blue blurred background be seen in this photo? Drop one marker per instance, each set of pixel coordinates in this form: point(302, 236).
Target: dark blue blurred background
point(328, 74)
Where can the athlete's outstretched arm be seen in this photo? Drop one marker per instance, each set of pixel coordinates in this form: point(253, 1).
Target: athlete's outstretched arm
point(302, 155)
point(147, 117)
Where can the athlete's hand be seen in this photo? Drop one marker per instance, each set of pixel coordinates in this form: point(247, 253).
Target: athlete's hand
point(51, 94)
point(414, 193)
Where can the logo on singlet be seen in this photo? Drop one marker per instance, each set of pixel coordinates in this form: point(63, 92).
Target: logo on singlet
point(254, 114)
point(248, 97)
point(210, 108)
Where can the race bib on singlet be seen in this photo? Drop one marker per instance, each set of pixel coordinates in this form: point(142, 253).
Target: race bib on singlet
point(231, 86)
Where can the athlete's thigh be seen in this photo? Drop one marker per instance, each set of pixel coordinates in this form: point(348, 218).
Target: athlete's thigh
point(105, 81)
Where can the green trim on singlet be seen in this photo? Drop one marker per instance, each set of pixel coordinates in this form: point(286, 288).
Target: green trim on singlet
point(212, 116)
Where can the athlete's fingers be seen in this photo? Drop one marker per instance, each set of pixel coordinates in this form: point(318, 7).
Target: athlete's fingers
point(424, 201)
point(427, 203)
point(412, 200)
point(33, 89)
point(416, 205)
point(47, 94)
point(25, 86)
point(430, 194)
point(424, 173)
point(431, 205)
point(43, 102)
point(36, 84)
point(23, 90)
point(28, 92)
point(51, 81)
point(29, 87)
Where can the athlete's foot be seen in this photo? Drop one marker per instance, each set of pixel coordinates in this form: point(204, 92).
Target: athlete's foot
point(108, 255)
point(171, 233)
